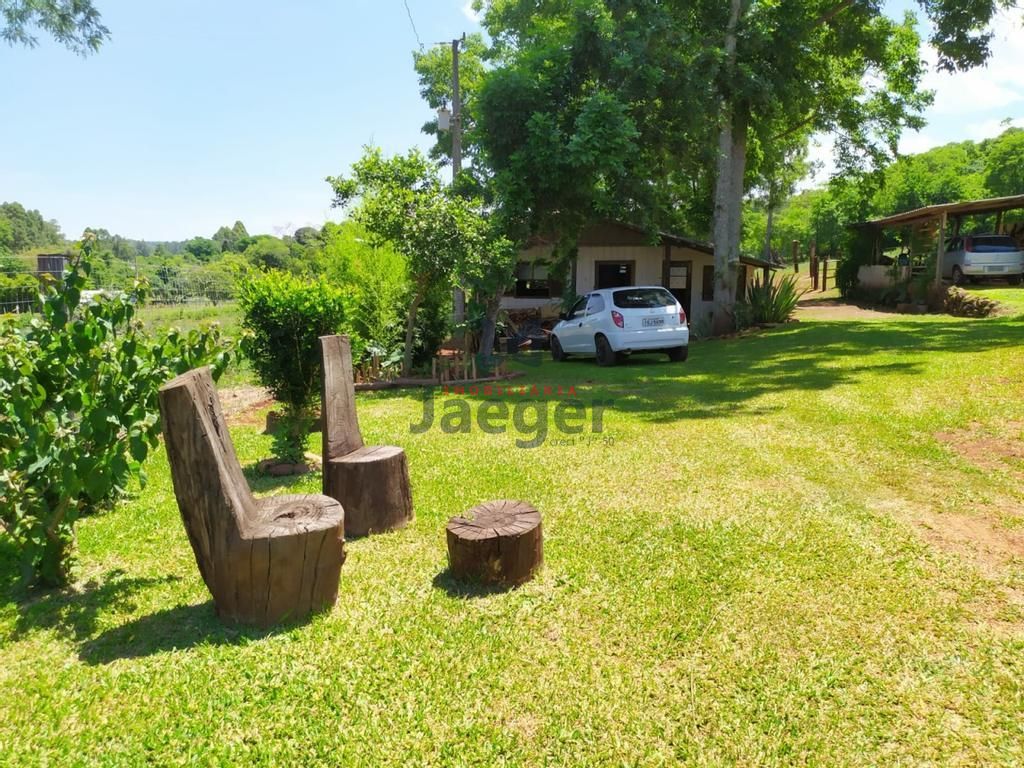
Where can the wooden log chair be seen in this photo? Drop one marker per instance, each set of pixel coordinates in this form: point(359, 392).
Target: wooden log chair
point(266, 560)
point(370, 481)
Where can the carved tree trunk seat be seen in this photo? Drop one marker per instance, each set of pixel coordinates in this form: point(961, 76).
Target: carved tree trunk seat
point(371, 482)
point(264, 561)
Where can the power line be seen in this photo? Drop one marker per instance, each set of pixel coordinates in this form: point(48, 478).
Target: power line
point(412, 24)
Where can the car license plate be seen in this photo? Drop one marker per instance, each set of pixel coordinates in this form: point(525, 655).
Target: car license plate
point(995, 269)
point(653, 322)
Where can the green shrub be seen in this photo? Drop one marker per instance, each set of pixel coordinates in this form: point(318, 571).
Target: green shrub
point(768, 302)
point(284, 316)
point(79, 411)
point(858, 253)
point(18, 292)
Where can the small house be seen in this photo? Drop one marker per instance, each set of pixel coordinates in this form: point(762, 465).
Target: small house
point(612, 254)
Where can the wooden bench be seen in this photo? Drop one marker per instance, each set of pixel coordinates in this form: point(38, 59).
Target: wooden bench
point(371, 482)
point(264, 561)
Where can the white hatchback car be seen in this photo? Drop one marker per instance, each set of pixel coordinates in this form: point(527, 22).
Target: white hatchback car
point(613, 322)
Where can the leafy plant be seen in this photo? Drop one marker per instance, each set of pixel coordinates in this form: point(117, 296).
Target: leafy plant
point(284, 317)
point(18, 292)
point(79, 411)
point(402, 202)
point(768, 302)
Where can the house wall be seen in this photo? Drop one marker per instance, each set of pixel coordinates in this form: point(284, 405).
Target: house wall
point(615, 244)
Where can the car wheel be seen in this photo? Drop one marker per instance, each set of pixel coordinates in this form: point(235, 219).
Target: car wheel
point(958, 276)
point(557, 353)
point(1015, 280)
point(678, 354)
point(605, 354)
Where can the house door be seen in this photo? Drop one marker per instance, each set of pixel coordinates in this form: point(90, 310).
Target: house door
point(613, 274)
point(678, 278)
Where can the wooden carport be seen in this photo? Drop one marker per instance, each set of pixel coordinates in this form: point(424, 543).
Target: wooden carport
point(938, 217)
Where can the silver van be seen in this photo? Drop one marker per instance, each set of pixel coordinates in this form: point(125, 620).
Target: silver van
point(969, 257)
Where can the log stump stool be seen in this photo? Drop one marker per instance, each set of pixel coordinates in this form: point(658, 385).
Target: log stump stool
point(496, 542)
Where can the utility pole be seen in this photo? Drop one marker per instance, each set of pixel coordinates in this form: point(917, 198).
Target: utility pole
point(459, 295)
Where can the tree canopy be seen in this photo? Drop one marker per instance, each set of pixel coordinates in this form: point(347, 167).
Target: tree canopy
point(402, 202)
point(76, 24)
point(640, 106)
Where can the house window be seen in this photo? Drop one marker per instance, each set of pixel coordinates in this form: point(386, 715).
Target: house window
point(707, 289)
point(532, 280)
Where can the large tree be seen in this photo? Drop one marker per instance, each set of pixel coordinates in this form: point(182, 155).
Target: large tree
point(836, 66)
point(74, 23)
point(1005, 164)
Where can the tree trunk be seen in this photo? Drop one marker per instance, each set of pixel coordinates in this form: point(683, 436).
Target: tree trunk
point(410, 326)
point(263, 560)
point(732, 160)
point(493, 306)
point(372, 484)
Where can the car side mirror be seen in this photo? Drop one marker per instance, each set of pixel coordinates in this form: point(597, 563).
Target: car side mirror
point(563, 315)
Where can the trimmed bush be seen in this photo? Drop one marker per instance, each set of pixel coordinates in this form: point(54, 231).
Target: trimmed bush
point(79, 411)
point(284, 316)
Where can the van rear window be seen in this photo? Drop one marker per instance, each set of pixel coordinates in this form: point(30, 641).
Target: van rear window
point(643, 298)
point(991, 244)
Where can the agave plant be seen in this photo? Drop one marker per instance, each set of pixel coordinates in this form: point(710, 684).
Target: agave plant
point(768, 302)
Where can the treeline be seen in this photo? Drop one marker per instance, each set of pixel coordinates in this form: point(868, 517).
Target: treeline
point(178, 271)
point(22, 229)
point(951, 173)
point(373, 276)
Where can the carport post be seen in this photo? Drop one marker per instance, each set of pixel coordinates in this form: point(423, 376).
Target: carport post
point(940, 249)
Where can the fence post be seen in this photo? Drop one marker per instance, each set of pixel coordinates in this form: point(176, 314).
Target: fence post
point(824, 276)
point(813, 266)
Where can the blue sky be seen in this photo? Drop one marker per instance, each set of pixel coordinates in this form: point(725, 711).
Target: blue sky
point(200, 112)
point(197, 112)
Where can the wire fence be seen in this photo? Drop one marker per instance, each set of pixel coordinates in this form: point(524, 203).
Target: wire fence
point(19, 291)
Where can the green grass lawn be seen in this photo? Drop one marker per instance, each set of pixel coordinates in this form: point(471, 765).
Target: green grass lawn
point(769, 558)
point(187, 317)
point(1010, 296)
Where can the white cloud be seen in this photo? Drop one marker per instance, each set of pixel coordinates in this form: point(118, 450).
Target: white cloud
point(968, 105)
point(469, 13)
point(997, 85)
point(987, 129)
point(821, 155)
point(913, 142)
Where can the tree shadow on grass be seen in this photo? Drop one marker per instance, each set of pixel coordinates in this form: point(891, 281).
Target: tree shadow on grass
point(468, 590)
point(723, 377)
point(171, 629)
point(73, 612)
point(262, 483)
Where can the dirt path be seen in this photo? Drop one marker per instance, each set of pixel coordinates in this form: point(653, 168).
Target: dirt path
point(239, 401)
point(827, 307)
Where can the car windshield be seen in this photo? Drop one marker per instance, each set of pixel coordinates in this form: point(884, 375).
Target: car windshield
point(643, 298)
point(991, 244)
